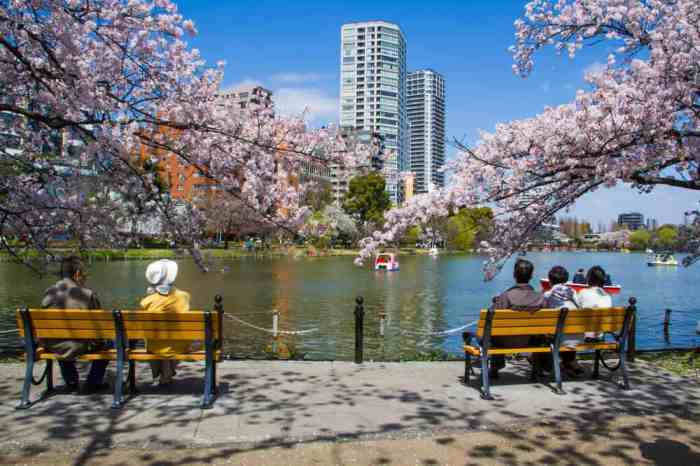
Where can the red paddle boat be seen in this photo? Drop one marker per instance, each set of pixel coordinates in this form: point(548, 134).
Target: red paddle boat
point(610, 289)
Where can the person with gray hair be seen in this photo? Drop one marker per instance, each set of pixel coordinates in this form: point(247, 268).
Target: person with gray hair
point(70, 293)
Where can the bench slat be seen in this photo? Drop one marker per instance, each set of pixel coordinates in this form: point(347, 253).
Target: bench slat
point(98, 314)
point(550, 330)
point(109, 325)
point(104, 334)
point(552, 313)
point(570, 320)
point(474, 350)
point(145, 316)
point(136, 355)
point(525, 331)
point(82, 324)
point(73, 334)
point(69, 314)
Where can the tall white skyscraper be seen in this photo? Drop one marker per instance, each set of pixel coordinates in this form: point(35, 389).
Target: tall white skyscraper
point(426, 119)
point(373, 90)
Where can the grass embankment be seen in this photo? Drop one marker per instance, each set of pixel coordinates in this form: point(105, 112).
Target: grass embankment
point(232, 253)
point(686, 363)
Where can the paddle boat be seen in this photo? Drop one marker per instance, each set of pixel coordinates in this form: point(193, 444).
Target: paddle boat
point(386, 262)
point(434, 252)
point(610, 289)
point(664, 258)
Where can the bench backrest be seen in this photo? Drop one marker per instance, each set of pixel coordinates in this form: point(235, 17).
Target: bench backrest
point(544, 322)
point(168, 325)
point(595, 320)
point(81, 324)
point(74, 324)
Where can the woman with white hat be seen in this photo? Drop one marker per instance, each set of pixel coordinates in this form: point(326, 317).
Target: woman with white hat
point(164, 297)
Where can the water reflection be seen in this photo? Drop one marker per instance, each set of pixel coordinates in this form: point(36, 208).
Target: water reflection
point(427, 295)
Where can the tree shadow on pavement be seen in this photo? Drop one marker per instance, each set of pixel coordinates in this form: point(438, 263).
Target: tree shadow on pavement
point(281, 407)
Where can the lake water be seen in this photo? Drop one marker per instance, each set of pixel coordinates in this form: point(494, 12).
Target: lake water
point(427, 295)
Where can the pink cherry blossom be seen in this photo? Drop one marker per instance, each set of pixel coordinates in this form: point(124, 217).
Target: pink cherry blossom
point(86, 85)
point(639, 124)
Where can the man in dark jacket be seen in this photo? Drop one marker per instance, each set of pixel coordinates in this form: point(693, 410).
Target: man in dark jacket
point(521, 297)
point(70, 293)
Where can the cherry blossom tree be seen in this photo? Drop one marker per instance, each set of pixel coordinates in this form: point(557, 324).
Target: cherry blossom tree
point(639, 123)
point(86, 84)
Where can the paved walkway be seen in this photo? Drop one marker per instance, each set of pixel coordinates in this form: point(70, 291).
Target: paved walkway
point(266, 408)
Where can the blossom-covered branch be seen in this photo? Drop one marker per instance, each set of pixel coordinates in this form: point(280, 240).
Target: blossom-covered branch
point(638, 124)
point(86, 85)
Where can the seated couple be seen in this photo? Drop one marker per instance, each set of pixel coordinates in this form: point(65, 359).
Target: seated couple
point(71, 293)
point(523, 297)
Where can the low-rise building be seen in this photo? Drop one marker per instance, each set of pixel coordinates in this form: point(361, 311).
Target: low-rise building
point(631, 220)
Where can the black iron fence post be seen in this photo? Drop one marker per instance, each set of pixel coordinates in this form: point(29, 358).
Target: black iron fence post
point(359, 329)
point(632, 343)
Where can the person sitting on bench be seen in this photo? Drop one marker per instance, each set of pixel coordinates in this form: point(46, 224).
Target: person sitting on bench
point(521, 297)
point(70, 293)
point(595, 295)
point(561, 296)
point(164, 297)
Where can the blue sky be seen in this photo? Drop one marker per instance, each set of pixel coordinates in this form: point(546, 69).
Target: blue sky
point(293, 49)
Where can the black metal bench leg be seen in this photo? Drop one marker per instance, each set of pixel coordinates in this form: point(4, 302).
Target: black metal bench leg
point(132, 378)
point(27, 385)
point(485, 382)
point(596, 365)
point(207, 396)
point(119, 385)
point(214, 385)
point(209, 369)
point(557, 371)
point(467, 368)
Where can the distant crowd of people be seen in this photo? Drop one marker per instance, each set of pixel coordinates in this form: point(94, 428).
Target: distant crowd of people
point(523, 297)
point(70, 292)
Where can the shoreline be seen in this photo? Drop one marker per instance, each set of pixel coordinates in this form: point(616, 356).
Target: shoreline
point(231, 253)
point(237, 252)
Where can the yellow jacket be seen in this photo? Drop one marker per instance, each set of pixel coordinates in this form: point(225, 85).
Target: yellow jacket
point(175, 301)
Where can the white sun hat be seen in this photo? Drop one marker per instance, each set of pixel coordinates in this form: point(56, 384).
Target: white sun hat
point(161, 275)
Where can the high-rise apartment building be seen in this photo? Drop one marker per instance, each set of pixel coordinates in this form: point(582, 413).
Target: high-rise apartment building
point(425, 92)
point(373, 90)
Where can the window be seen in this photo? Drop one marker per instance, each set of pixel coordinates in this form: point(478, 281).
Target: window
point(9, 141)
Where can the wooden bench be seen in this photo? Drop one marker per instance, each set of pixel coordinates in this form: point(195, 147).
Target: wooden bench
point(120, 328)
point(556, 323)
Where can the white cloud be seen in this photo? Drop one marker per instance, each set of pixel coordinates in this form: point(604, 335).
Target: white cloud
point(319, 107)
point(594, 68)
point(298, 78)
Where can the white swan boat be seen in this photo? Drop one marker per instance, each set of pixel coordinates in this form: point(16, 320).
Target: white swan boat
point(661, 259)
point(387, 262)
